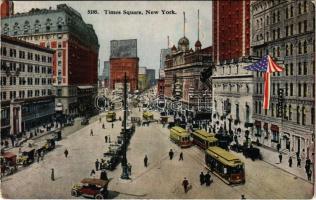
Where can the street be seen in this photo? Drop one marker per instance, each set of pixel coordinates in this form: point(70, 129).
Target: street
point(161, 179)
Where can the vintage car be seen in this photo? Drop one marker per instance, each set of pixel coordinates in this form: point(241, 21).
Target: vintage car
point(85, 121)
point(114, 149)
point(27, 156)
point(110, 162)
point(91, 188)
point(8, 163)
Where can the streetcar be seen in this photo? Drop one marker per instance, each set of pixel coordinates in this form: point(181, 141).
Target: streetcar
point(180, 136)
point(203, 139)
point(110, 116)
point(148, 116)
point(225, 165)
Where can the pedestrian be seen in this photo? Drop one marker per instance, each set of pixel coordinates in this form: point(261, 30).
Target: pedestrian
point(278, 147)
point(103, 126)
point(42, 155)
point(106, 138)
point(109, 139)
point(100, 119)
point(92, 172)
point(52, 176)
point(66, 153)
point(103, 175)
point(202, 179)
point(290, 161)
point(298, 162)
point(146, 161)
point(38, 156)
point(112, 124)
point(243, 197)
point(97, 163)
point(181, 156)
point(280, 157)
point(91, 132)
point(171, 154)
point(207, 179)
point(309, 174)
point(6, 143)
point(185, 184)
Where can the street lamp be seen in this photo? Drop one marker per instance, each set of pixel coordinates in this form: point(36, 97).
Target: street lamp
point(124, 159)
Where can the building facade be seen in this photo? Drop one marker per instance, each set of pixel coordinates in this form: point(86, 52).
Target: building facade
point(75, 62)
point(232, 85)
point(26, 86)
point(123, 59)
point(7, 8)
point(231, 30)
point(104, 78)
point(151, 77)
point(182, 74)
point(286, 30)
point(142, 79)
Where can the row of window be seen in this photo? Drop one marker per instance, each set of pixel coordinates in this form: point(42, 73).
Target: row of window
point(302, 89)
point(37, 57)
point(287, 112)
point(23, 80)
point(24, 94)
point(13, 66)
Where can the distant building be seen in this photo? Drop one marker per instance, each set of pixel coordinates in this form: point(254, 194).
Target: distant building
point(104, 78)
point(142, 79)
point(151, 76)
point(7, 8)
point(26, 86)
point(123, 59)
point(75, 62)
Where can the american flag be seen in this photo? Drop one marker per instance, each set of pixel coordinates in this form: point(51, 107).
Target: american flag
point(266, 65)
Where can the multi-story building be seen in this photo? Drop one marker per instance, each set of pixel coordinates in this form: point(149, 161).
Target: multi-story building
point(104, 78)
point(232, 85)
point(75, 62)
point(151, 77)
point(161, 81)
point(123, 59)
point(182, 74)
point(26, 86)
point(7, 8)
point(142, 79)
point(286, 30)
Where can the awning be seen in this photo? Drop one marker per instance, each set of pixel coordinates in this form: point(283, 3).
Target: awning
point(274, 128)
point(85, 87)
point(265, 126)
point(258, 123)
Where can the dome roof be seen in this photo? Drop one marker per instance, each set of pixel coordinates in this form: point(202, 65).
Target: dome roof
point(183, 41)
point(198, 43)
point(174, 48)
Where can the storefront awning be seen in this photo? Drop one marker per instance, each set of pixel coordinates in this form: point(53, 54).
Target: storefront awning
point(274, 128)
point(258, 123)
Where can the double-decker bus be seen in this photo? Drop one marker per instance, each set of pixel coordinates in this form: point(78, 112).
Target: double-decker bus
point(225, 165)
point(180, 136)
point(110, 116)
point(203, 139)
point(148, 116)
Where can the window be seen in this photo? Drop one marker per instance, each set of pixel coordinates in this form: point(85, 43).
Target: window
point(286, 89)
point(303, 115)
point(247, 113)
point(299, 47)
point(291, 89)
point(291, 49)
point(49, 59)
point(286, 13)
point(3, 80)
point(299, 8)
point(256, 106)
point(305, 46)
point(291, 68)
point(313, 92)
point(43, 58)
point(273, 88)
point(272, 110)
point(59, 44)
point(287, 50)
point(290, 112)
point(237, 111)
point(304, 89)
point(259, 107)
point(305, 68)
point(305, 26)
point(291, 11)
point(286, 69)
point(299, 89)
point(291, 29)
point(299, 68)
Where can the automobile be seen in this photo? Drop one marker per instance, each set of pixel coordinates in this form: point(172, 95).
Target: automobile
point(111, 162)
point(8, 163)
point(27, 156)
point(91, 188)
point(85, 121)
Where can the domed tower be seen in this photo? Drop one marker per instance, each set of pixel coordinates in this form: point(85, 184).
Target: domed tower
point(198, 44)
point(183, 44)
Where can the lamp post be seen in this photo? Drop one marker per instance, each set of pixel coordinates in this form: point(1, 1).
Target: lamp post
point(124, 159)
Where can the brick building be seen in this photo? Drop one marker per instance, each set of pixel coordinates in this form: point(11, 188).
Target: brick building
point(75, 62)
point(123, 60)
point(7, 8)
point(231, 29)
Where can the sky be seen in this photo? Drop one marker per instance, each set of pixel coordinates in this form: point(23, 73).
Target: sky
point(151, 31)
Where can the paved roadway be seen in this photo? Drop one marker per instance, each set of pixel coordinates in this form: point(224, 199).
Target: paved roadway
point(162, 178)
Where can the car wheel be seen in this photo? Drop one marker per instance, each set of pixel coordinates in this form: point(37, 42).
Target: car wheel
point(74, 193)
point(99, 196)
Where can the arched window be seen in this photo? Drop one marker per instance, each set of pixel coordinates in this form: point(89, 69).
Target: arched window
point(299, 47)
point(291, 49)
point(287, 50)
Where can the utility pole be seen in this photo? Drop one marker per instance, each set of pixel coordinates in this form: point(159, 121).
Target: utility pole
point(124, 159)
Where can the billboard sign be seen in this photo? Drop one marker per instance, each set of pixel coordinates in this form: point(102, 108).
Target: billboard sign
point(124, 48)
